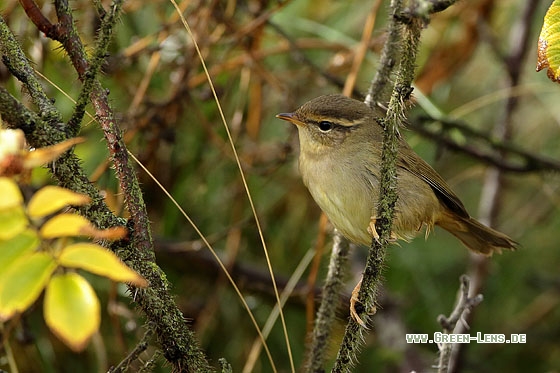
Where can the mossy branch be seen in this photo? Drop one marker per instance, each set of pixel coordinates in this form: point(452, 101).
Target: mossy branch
point(177, 341)
point(17, 63)
point(389, 57)
point(409, 39)
point(90, 77)
point(326, 313)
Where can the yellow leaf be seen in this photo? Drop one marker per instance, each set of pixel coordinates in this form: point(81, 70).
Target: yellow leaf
point(51, 199)
point(12, 216)
point(98, 260)
point(10, 194)
point(23, 281)
point(548, 53)
point(72, 310)
point(12, 222)
point(49, 153)
point(65, 225)
point(17, 246)
point(114, 233)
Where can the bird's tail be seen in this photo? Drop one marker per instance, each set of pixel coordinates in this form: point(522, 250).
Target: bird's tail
point(476, 236)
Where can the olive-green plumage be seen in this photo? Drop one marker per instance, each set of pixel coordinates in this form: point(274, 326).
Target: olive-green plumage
point(340, 162)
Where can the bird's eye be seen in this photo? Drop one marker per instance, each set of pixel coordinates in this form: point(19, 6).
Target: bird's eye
point(326, 126)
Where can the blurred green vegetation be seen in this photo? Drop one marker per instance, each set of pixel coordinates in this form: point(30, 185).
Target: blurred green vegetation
point(175, 129)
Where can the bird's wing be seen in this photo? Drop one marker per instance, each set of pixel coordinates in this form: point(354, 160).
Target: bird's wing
point(411, 162)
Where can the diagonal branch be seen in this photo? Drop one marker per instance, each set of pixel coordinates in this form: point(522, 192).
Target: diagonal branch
point(18, 64)
point(177, 341)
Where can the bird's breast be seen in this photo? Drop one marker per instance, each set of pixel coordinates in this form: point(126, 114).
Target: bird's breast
point(343, 193)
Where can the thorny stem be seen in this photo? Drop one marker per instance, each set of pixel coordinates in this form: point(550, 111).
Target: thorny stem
point(177, 341)
point(410, 36)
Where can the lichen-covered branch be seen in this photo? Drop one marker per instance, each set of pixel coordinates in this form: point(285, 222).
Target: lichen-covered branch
point(178, 344)
point(329, 299)
point(89, 78)
point(389, 57)
point(409, 41)
point(19, 66)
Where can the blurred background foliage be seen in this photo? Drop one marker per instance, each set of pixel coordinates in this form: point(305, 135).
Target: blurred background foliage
point(270, 57)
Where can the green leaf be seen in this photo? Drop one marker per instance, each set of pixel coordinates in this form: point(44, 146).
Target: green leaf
point(17, 246)
point(52, 198)
point(23, 281)
point(72, 310)
point(548, 54)
point(98, 260)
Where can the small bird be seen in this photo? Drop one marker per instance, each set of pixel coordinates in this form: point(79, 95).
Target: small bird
point(340, 163)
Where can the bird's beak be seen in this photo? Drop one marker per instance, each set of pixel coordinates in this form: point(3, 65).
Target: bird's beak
point(290, 117)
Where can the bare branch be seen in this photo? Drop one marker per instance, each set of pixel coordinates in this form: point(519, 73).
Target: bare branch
point(464, 305)
point(499, 155)
point(134, 355)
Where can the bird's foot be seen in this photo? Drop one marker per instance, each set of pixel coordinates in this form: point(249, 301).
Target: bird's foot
point(373, 232)
point(353, 301)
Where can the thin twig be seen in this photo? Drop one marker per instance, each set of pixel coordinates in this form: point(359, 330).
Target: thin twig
point(464, 305)
point(140, 347)
point(339, 254)
point(498, 156)
point(178, 342)
point(66, 33)
point(493, 186)
point(361, 50)
point(300, 57)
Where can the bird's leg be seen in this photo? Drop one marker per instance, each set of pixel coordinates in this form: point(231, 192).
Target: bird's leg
point(373, 232)
point(353, 301)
